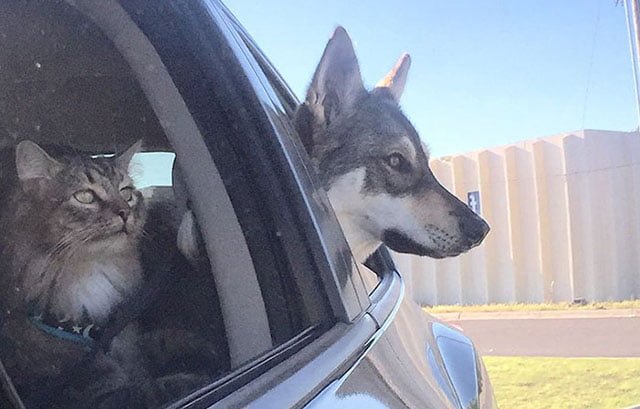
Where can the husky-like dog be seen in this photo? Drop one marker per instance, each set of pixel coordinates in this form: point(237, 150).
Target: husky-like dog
point(373, 165)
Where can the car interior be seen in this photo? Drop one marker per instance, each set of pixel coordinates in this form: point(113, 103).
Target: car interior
point(85, 76)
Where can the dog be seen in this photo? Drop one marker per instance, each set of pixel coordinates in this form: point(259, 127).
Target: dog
point(373, 165)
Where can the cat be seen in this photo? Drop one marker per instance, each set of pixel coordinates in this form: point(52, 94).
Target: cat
point(69, 233)
point(78, 246)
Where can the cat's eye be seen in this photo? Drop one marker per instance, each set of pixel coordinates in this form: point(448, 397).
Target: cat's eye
point(85, 196)
point(127, 193)
point(397, 161)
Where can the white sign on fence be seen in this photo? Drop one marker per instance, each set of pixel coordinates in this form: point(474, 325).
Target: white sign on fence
point(473, 201)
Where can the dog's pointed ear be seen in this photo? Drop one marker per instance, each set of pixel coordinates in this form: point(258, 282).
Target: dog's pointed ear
point(337, 84)
point(335, 89)
point(396, 79)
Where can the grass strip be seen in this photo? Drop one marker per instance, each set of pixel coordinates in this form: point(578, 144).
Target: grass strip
point(564, 383)
point(604, 305)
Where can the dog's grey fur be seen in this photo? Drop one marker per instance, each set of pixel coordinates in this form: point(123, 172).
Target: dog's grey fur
point(373, 164)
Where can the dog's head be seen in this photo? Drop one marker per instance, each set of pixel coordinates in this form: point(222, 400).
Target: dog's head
point(373, 164)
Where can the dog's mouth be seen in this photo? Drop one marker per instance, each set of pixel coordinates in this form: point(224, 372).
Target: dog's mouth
point(400, 243)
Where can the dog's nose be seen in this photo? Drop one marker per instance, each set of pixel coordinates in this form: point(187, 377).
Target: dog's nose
point(474, 229)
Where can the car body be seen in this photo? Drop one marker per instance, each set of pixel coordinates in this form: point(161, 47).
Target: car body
point(341, 335)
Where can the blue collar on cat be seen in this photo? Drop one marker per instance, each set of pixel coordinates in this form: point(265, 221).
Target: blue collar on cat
point(66, 330)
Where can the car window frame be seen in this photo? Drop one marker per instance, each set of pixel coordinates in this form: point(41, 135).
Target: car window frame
point(380, 262)
point(269, 87)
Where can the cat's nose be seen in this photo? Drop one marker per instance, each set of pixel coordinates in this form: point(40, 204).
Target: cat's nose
point(124, 214)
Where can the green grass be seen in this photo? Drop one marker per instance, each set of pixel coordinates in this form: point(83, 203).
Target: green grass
point(564, 383)
point(604, 305)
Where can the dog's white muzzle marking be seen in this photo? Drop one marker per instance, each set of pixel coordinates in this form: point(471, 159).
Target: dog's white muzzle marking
point(364, 217)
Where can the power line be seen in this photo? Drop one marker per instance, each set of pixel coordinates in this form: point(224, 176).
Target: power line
point(589, 71)
point(632, 20)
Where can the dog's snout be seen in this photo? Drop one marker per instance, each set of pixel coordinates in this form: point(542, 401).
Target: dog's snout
point(474, 229)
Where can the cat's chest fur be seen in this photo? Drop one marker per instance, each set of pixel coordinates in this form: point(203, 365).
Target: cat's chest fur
point(90, 287)
point(102, 285)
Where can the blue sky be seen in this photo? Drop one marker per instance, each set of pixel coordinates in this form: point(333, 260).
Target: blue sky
point(484, 73)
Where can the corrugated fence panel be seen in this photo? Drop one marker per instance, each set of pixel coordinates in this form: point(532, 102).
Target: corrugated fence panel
point(523, 222)
point(473, 273)
point(447, 270)
point(622, 209)
point(553, 236)
point(494, 199)
point(565, 223)
point(633, 144)
point(582, 229)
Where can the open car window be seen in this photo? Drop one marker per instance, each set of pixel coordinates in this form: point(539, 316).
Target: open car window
point(284, 98)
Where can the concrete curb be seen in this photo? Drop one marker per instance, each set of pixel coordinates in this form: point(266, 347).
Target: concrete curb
point(526, 315)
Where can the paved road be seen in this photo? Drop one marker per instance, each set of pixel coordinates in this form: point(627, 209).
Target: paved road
point(565, 337)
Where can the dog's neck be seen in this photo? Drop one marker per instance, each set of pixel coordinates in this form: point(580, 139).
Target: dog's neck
point(362, 244)
point(347, 202)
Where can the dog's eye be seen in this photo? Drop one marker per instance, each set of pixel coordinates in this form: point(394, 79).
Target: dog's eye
point(397, 161)
point(85, 196)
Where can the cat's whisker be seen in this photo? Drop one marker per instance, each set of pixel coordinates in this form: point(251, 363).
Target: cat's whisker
point(67, 241)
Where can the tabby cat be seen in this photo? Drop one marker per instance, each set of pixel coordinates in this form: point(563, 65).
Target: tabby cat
point(69, 231)
point(71, 244)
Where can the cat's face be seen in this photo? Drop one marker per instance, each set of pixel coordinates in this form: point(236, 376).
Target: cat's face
point(84, 202)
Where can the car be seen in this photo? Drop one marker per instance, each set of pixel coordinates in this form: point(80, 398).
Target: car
point(298, 323)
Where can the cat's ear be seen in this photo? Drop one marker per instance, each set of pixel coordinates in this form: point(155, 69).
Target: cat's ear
point(124, 159)
point(32, 162)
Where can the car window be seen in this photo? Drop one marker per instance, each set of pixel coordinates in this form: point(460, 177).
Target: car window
point(226, 287)
point(370, 273)
point(152, 169)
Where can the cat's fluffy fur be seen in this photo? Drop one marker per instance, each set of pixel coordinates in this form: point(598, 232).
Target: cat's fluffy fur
point(76, 260)
point(71, 247)
point(68, 249)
